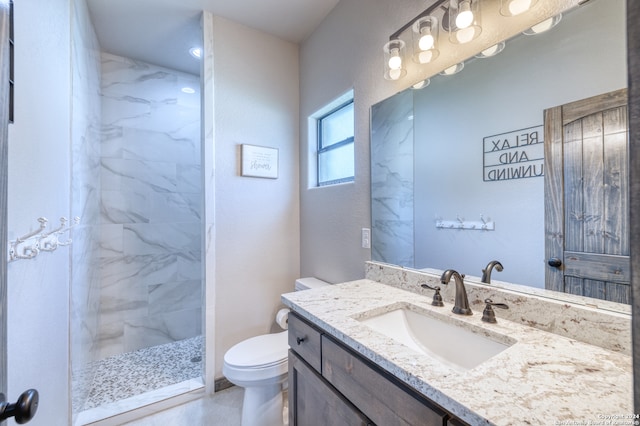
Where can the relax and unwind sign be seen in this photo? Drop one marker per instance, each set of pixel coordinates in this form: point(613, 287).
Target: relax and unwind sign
point(514, 155)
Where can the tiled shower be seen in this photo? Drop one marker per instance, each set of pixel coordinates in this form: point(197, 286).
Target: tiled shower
point(136, 262)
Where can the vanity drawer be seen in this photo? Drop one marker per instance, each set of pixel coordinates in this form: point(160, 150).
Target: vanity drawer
point(377, 394)
point(304, 339)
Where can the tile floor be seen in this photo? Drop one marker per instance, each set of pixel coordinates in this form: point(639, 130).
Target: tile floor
point(123, 376)
point(224, 408)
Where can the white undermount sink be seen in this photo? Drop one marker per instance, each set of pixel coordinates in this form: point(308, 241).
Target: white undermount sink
point(447, 340)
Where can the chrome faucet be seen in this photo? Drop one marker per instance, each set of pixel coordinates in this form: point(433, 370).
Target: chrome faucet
point(486, 272)
point(462, 302)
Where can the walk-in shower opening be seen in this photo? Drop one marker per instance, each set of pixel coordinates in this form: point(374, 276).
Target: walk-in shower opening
point(137, 276)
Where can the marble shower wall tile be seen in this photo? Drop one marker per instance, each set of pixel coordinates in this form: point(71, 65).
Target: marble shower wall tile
point(153, 330)
point(150, 206)
point(85, 200)
point(392, 179)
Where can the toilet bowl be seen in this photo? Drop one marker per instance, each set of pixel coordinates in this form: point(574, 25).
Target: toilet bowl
point(259, 365)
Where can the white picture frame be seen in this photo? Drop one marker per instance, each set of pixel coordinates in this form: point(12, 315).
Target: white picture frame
point(259, 161)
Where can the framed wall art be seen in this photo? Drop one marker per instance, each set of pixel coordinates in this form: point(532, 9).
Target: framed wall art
point(259, 161)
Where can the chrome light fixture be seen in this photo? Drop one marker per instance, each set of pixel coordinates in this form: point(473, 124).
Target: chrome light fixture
point(425, 39)
point(464, 21)
point(461, 20)
point(516, 7)
point(394, 59)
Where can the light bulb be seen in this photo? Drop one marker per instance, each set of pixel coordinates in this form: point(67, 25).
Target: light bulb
point(395, 61)
point(543, 26)
point(490, 51)
point(425, 56)
point(395, 74)
point(426, 41)
point(421, 85)
point(465, 35)
point(451, 70)
point(517, 7)
point(465, 16)
point(454, 69)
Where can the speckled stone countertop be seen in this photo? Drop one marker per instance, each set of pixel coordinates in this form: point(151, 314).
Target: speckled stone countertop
point(542, 379)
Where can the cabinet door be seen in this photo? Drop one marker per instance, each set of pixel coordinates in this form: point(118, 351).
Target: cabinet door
point(377, 394)
point(313, 402)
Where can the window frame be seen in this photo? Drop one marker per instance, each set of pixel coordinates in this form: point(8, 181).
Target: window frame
point(320, 149)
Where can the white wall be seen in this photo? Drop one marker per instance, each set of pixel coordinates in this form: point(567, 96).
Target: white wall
point(255, 90)
point(39, 166)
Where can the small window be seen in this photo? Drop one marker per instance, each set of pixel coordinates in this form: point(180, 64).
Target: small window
point(335, 145)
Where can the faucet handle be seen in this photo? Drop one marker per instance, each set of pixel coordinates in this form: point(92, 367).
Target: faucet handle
point(437, 298)
point(488, 315)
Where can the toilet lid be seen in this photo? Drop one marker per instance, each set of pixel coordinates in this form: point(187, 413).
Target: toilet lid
point(259, 351)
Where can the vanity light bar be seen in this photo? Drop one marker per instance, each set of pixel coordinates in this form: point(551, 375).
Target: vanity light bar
point(461, 19)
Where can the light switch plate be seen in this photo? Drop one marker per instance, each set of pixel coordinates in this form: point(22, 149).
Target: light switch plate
point(366, 238)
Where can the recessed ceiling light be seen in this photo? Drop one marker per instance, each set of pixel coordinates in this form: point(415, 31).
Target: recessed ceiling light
point(196, 52)
point(188, 90)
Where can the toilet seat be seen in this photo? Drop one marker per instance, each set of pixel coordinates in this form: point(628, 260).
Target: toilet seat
point(258, 359)
point(259, 352)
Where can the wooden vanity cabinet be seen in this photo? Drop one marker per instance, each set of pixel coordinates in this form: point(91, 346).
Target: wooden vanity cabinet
point(314, 402)
point(329, 384)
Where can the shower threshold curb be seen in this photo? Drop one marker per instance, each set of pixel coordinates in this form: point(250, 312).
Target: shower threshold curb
point(135, 407)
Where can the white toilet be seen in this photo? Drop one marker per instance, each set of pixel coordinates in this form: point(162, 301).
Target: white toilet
point(259, 365)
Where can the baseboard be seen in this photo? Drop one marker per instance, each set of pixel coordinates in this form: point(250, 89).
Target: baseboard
point(221, 384)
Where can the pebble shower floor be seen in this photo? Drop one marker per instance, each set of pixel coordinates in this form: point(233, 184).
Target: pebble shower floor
point(133, 373)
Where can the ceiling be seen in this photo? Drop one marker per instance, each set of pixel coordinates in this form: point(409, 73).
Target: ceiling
point(162, 31)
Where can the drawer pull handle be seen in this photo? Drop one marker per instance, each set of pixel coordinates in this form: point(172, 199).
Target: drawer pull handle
point(300, 340)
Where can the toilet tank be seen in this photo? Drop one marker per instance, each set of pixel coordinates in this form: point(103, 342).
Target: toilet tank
point(309, 283)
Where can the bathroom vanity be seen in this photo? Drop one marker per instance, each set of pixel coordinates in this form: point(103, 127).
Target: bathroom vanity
point(329, 379)
point(344, 363)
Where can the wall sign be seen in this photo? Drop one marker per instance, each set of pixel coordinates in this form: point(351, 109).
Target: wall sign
point(259, 161)
point(517, 154)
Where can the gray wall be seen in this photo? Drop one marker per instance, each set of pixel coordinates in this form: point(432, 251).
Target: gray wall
point(344, 53)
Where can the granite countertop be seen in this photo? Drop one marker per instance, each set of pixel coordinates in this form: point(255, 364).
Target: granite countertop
point(542, 379)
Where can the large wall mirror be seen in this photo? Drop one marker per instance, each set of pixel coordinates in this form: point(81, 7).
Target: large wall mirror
point(433, 186)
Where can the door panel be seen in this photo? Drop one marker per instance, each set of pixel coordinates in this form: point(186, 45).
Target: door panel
point(4, 122)
point(586, 197)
